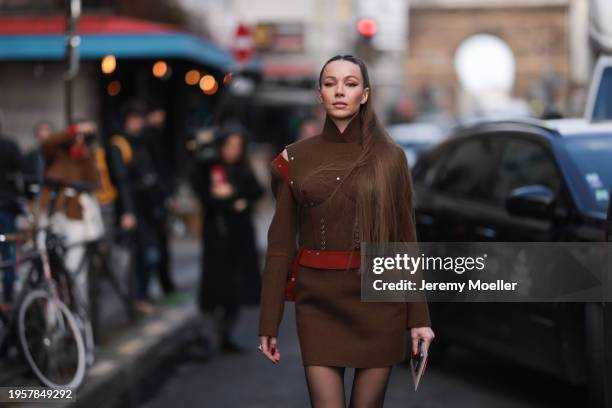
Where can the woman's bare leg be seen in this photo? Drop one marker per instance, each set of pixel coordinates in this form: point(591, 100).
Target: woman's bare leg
point(369, 387)
point(325, 386)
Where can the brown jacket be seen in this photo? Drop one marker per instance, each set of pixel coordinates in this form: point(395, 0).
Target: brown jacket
point(305, 211)
point(59, 165)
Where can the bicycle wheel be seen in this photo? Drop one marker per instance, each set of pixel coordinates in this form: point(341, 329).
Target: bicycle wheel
point(70, 295)
point(51, 341)
point(86, 329)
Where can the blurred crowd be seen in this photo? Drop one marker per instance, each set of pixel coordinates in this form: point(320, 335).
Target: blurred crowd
point(130, 187)
point(131, 200)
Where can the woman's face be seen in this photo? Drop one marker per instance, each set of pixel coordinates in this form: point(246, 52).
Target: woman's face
point(342, 89)
point(232, 149)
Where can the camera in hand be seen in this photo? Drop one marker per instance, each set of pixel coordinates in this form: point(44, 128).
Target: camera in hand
point(90, 138)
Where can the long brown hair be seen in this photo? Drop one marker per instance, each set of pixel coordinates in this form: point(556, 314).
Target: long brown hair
point(384, 198)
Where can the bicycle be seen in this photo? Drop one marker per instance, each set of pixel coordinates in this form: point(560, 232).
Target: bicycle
point(47, 331)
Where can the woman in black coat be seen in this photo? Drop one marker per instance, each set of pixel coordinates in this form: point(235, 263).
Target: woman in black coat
point(230, 276)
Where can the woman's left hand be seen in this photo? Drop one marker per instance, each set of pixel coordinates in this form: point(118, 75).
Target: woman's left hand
point(424, 333)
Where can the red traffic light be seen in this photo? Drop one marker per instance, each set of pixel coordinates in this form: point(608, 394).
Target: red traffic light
point(367, 27)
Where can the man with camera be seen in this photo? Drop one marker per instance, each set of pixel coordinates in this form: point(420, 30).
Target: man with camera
point(77, 217)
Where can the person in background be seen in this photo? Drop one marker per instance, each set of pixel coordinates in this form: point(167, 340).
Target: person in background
point(156, 122)
point(140, 177)
point(230, 276)
point(77, 216)
point(34, 162)
point(10, 169)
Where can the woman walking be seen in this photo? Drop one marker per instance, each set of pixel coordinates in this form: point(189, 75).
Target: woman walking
point(230, 268)
point(348, 185)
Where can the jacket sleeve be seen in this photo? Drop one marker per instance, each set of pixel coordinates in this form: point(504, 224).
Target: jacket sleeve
point(90, 170)
point(253, 190)
point(417, 313)
point(52, 145)
point(280, 253)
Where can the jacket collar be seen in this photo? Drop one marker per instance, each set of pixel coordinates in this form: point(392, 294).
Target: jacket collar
point(352, 132)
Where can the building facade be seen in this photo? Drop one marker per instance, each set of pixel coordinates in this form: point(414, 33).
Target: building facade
point(547, 38)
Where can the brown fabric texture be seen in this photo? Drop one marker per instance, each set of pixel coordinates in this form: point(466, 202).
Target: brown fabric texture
point(59, 165)
point(334, 327)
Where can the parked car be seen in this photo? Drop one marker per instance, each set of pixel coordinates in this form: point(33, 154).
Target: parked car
point(415, 138)
point(464, 189)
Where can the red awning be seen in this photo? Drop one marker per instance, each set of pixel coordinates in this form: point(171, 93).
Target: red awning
point(22, 25)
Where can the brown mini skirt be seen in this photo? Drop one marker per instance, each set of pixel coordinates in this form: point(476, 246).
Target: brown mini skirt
point(336, 329)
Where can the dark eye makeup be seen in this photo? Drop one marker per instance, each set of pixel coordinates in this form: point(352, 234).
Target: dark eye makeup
point(351, 84)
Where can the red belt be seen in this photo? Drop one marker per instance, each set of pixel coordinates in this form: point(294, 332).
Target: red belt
point(320, 259)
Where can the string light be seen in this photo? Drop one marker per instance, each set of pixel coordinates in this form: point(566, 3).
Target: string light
point(113, 88)
point(108, 64)
point(208, 83)
point(160, 69)
point(192, 77)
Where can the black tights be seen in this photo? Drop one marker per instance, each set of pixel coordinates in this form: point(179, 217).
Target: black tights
point(326, 387)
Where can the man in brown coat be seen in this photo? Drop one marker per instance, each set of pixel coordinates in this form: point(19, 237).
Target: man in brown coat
point(68, 158)
point(76, 214)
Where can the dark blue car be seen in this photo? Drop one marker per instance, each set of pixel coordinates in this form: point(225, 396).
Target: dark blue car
point(521, 181)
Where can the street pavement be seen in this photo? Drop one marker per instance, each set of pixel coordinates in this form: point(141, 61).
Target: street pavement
point(464, 379)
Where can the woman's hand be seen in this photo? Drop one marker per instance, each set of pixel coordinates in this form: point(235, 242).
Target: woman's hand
point(222, 190)
point(269, 347)
point(240, 205)
point(424, 333)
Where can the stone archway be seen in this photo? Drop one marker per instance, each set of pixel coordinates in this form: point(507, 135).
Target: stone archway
point(538, 37)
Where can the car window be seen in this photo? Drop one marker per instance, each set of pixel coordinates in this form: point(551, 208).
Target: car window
point(524, 163)
point(468, 168)
point(603, 103)
point(590, 155)
point(428, 165)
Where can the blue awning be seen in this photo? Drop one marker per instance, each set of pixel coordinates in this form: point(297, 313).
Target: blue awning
point(96, 46)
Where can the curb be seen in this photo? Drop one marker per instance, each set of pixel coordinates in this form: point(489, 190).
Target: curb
point(120, 368)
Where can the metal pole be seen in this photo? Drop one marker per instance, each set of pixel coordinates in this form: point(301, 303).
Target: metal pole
point(71, 58)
